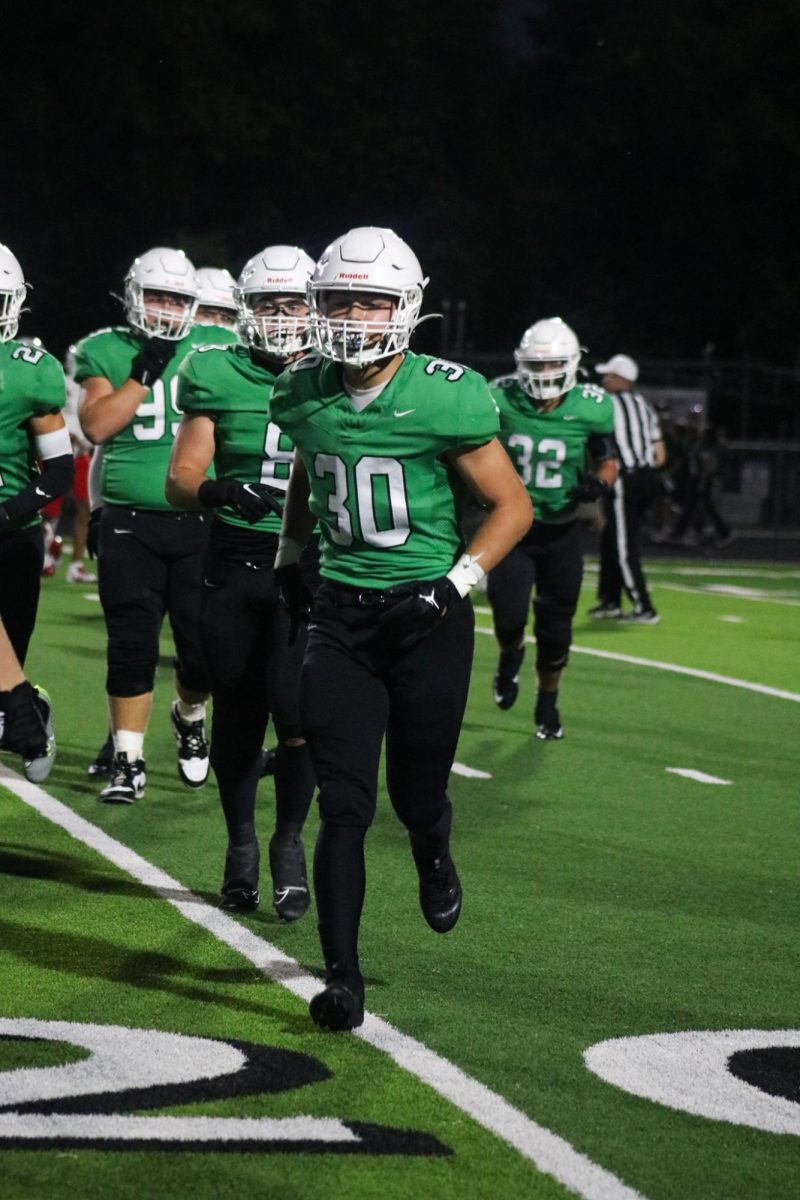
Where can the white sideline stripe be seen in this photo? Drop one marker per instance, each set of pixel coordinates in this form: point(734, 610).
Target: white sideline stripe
point(700, 776)
point(711, 676)
point(549, 1153)
point(469, 772)
point(715, 590)
point(733, 620)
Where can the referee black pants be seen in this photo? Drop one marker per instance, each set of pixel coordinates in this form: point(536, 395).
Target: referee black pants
point(620, 561)
point(21, 561)
point(355, 688)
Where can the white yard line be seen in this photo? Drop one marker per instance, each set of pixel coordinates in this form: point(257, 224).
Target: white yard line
point(711, 676)
point(549, 1153)
point(469, 772)
point(698, 776)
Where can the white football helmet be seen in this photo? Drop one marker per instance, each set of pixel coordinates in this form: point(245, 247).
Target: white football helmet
point(277, 271)
point(161, 270)
point(216, 304)
point(13, 291)
point(547, 359)
point(370, 260)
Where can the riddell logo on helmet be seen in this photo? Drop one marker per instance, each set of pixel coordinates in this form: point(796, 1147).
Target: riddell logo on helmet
point(350, 275)
point(277, 278)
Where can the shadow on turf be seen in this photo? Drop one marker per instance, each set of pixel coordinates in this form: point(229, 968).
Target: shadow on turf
point(98, 958)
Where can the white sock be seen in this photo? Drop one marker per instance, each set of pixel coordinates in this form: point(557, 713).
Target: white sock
point(189, 713)
point(130, 743)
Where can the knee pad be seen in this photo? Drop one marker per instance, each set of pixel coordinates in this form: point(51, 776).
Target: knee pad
point(130, 674)
point(346, 802)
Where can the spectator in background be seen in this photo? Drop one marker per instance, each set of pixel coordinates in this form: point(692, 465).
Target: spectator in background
point(641, 454)
point(699, 515)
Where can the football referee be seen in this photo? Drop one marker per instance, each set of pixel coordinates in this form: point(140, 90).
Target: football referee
point(641, 453)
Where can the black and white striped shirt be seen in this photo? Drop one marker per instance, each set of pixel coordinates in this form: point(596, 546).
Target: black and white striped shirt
point(636, 429)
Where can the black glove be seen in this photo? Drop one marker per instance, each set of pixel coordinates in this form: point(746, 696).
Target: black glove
point(22, 723)
point(591, 488)
point(296, 597)
point(252, 501)
point(150, 362)
point(412, 619)
point(93, 533)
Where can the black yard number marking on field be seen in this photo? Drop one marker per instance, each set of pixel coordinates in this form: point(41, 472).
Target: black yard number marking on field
point(774, 1070)
point(91, 1104)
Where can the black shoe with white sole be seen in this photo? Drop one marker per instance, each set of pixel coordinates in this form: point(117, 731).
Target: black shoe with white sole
point(193, 761)
point(126, 781)
point(103, 760)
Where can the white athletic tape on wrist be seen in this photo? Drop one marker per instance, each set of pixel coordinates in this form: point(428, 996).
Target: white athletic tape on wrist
point(466, 574)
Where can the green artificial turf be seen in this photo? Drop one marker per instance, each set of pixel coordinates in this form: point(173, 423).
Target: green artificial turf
point(604, 897)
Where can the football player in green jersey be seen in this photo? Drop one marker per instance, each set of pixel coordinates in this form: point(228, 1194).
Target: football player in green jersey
point(224, 393)
point(151, 555)
point(389, 444)
point(551, 427)
point(36, 466)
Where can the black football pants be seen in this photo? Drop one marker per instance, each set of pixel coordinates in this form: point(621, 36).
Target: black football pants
point(151, 564)
point(355, 688)
point(254, 674)
point(21, 561)
point(550, 559)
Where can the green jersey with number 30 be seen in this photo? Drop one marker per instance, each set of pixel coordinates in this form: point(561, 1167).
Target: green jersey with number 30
point(548, 449)
point(135, 460)
point(387, 500)
point(31, 385)
point(227, 385)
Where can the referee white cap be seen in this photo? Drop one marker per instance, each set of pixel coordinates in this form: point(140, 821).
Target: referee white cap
point(621, 365)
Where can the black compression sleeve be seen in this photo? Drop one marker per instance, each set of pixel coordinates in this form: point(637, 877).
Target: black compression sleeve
point(602, 446)
point(55, 479)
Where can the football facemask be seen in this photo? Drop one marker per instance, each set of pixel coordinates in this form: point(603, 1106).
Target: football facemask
point(161, 291)
point(13, 291)
point(271, 301)
point(547, 359)
point(372, 262)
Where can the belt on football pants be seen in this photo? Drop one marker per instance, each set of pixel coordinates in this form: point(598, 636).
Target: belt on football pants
point(343, 596)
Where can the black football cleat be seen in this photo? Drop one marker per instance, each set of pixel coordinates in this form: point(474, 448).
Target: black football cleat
point(125, 782)
point(287, 864)
point(103, 760)
point(239, 889)
point(548, 723)
point(440, 894)
point(505, 687)
point(268, 761)
point(193, 761)
point(340, 1006)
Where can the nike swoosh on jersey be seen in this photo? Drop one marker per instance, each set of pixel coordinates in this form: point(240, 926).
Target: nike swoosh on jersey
point(39, 492)
point(568, 418)
point(122, 530)
point(405, 412)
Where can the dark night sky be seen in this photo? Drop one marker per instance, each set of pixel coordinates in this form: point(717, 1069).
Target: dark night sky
point(632, 167)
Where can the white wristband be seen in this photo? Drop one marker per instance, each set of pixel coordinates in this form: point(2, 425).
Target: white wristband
point(53, 445)
point(289, 550)
point(466, 573)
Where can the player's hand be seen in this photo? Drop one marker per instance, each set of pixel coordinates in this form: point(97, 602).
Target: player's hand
point(23, 725)
point(409, 621)
point(151, 361)
point(93, 533)
point(591, 488)
point(296, 596)
point(251, 501)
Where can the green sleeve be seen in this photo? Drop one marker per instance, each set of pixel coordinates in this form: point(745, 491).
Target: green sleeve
point(49, 389)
